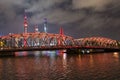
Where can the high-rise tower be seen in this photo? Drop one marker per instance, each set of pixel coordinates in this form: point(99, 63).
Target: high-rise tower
point(25, 24)
point(45, 25)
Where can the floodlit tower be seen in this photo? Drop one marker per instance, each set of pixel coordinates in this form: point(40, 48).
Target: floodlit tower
point(25, 24)
point(45, 25)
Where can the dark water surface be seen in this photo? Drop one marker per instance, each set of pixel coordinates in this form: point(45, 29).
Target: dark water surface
point(55, 65)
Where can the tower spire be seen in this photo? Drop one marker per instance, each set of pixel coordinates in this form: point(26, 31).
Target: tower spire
point(25, 23)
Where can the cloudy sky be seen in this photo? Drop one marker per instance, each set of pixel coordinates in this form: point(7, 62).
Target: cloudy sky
point(79, 18)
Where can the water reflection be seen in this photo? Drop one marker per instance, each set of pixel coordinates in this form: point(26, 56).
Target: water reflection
point(64, 60)
point(116, 56)
point(38, 53)
point(91, 60)
point(57, 65)
point(23, 53)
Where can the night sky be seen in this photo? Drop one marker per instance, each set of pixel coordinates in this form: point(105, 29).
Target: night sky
point(79, 18)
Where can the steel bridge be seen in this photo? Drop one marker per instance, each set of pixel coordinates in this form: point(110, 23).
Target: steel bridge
point(30, 41)
point(99, 42)
point(48, 41)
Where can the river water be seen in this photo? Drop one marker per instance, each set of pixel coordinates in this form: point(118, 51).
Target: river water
point(56, 65)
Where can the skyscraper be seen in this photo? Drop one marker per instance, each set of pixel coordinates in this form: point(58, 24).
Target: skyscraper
point(45, 25)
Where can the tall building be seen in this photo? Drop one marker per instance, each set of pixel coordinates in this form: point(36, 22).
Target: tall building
point(45, 25)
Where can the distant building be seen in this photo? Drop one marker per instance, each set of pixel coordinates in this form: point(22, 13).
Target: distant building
point(45, 25)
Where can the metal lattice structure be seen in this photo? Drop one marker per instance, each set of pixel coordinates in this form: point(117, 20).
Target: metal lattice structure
point(48, 41)
point(35, 40)
point(99, 42)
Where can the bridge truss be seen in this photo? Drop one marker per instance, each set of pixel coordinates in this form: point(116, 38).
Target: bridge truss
point(45, 41)
point(99, 42)
point(35, 40)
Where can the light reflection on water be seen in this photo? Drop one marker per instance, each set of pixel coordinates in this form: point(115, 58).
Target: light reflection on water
point(57, 65)
point(40, 53)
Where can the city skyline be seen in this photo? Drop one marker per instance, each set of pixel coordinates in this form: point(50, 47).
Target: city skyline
point(78, 18)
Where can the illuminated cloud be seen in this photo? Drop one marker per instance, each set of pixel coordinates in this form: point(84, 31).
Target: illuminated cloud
point(97, 5)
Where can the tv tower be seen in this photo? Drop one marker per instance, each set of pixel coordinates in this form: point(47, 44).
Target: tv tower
point(45, 25)
point(25, 24)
